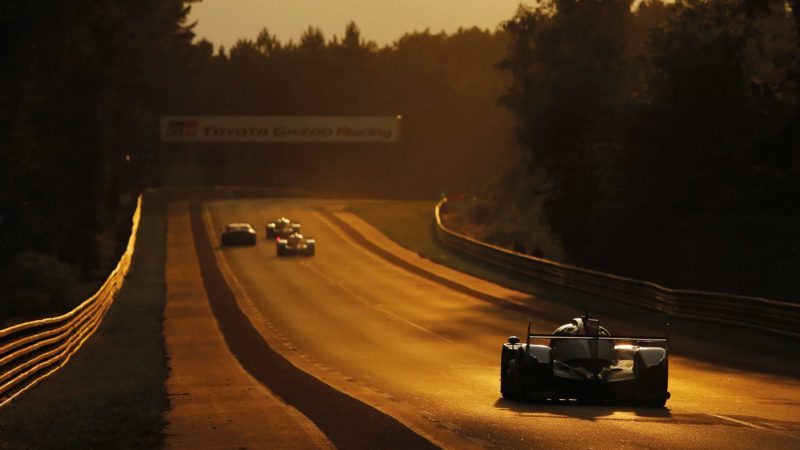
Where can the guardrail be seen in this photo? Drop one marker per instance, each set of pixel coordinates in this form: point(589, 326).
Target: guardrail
point(766, 315)
point(33, 351)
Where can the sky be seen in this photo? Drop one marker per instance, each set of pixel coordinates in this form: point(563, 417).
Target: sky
point(383, 21)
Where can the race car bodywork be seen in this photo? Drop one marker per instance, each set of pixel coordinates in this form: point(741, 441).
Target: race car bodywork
point(239, 234)
point(584, 362)
point(296, 244)
point(282, 228)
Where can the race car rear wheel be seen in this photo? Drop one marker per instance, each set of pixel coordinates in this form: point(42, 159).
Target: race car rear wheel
point(509, 381)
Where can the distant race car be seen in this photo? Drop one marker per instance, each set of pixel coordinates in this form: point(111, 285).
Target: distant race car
point(239, 234)
point(282, 228)
point(584, 362)
point(296, 244)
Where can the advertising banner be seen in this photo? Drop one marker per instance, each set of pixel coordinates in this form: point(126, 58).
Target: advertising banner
point(334, 129)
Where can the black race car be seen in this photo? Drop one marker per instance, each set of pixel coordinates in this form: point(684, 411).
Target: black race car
point(282, 228)
point(296, 244)
point(583, 361)
point(239, 234)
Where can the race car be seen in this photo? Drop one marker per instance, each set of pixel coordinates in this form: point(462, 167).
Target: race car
point(282, 228)
point(296, 244)
point(583, 361)
point(239, 234)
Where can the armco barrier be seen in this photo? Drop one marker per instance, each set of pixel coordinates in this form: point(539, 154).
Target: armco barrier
point(766, 315)
point(30, 352)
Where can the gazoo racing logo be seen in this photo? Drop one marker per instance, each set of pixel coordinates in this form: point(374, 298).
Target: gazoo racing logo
point(279, 129)
point(366, 133)
point(182, 128)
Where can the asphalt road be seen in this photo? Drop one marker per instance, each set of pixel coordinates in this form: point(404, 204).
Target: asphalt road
point(428, 355)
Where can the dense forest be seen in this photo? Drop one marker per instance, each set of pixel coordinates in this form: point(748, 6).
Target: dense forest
point(445, 87)
point(649, 139)
point(81, 86)
point(662, 143)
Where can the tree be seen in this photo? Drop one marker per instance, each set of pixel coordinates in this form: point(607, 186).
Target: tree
point(570, 94)
point(720, 84)
point(82, 83)
point(267, 44)
point(312, 41)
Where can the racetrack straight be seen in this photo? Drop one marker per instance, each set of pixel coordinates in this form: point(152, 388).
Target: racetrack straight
point(359, 238)
point(347, 422)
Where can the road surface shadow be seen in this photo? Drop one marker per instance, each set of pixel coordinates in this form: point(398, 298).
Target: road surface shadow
point(584, 411)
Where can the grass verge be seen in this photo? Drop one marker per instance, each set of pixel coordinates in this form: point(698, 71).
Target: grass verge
point(111, 395)
point(411, 224)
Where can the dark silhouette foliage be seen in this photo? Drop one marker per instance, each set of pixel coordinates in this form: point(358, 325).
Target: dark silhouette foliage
point(444, 86)
point(80, 87)
point(669, 135)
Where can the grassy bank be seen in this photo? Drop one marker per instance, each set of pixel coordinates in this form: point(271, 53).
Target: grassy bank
point(111, 394)
point(411, 224)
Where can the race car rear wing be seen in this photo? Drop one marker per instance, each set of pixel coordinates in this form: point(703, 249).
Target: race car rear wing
point(597, 337)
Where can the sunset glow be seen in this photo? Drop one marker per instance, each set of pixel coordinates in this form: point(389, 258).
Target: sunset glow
point(224, 22)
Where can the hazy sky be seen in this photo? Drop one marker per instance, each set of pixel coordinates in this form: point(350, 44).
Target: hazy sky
point(383, 21)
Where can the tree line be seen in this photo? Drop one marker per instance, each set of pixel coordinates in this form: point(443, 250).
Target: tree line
point(444, 86)
point(664, 139)
point(81, 86)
